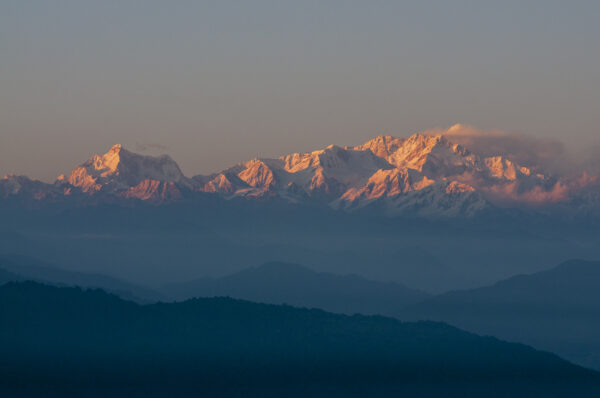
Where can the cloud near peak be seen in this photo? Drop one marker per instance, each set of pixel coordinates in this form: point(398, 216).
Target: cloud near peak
point(570, 171)
point(523, 149)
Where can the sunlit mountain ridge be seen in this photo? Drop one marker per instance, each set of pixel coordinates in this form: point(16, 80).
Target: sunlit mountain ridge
point(423, 175)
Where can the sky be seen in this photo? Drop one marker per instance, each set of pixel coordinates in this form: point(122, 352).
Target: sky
point(213, 83)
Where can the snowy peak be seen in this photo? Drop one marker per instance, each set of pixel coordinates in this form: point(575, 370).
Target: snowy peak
point(437, 157)
point(504, 169)
point(222, 183)
point(346, 166)
point(321, 175)
point(387, 183)
point(434, 155)
point(119, 169)
point(331, 158)
point(109, 162)
point(258, 174)
point(383, 146)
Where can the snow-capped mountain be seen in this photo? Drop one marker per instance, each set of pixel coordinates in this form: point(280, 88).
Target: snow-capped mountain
point(422, 175)
point(128, 175)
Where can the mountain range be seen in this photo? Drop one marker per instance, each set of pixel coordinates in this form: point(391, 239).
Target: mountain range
point(423, 175)
point(430, 212)
point(84, 342)
point(554, 310)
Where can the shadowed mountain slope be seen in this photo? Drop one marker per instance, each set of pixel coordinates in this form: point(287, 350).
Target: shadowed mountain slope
point(67, 341)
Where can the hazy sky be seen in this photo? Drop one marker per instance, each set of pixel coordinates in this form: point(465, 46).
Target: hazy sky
point(216, 82)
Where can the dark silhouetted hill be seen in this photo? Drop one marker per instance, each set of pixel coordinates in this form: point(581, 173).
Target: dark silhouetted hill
point(74, 342)
point(6, 276)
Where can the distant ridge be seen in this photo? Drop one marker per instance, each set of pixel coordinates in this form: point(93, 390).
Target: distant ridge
point(21, 268)
point(554, 310)
point(284, 283)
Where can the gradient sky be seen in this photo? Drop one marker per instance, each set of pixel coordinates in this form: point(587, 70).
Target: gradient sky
point(216, 82)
